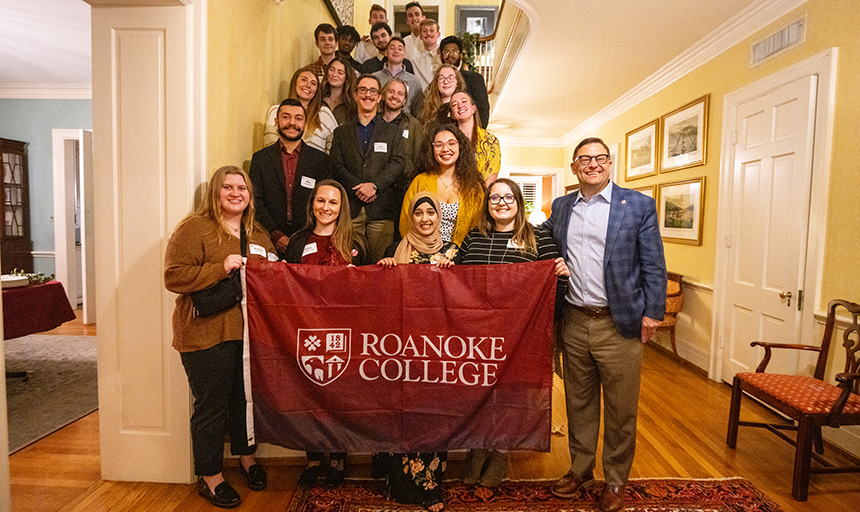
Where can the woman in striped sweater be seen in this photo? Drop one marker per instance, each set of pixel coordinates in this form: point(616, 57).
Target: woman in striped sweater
point(504, 236)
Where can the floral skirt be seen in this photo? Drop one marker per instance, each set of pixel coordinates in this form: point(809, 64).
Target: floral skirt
point(416, 478)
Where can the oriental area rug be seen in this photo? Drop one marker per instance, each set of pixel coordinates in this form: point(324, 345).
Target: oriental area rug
point(643, 495)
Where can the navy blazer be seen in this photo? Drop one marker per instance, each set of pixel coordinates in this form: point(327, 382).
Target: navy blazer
point(634, 269)
point(270, 186)
point(383, 164)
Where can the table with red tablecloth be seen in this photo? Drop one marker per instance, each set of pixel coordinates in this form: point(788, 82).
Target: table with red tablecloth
point(35, 308)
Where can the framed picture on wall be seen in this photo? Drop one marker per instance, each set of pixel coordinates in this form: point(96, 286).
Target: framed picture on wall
point(641, 146)
point(685, 136)
point(648, 191)
point(613, 167)
point(680, 208)
point(476, 19)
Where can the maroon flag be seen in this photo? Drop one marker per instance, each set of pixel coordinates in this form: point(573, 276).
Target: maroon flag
point(409, 359)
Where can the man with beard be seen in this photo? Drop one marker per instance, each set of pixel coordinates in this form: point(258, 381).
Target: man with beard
point(380, 34)
point(284, 175)
point(452, 48)
point(367, 155)
point(395, 94)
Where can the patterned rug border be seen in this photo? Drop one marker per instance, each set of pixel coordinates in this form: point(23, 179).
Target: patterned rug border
point(730, 494)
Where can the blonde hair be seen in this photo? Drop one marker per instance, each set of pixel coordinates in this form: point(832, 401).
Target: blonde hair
point(433, 98)
point(210, 206)
point(312, 112)
point(524, 234)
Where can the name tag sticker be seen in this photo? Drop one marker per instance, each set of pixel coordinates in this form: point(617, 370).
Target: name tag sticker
point(309, 249)
point(380, 147)
point(512, 244)
point(308, 182)
point(273, 257)
point(259, 250)
point(406, 134)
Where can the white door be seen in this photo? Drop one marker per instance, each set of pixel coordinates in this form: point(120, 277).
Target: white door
point(88, 256)
point(770, 193)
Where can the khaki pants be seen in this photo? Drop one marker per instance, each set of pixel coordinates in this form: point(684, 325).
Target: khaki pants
point(597, 357)
point(378, 233)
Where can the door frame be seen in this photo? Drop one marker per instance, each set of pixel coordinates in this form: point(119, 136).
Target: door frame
point(824, 66)
point(65, 264)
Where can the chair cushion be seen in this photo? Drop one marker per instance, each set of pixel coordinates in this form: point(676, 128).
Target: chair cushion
point(806, 394)
point(673, 287)
point(668, 321)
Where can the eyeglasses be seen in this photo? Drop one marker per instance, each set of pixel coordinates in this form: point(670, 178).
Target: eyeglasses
point(450, 53)
point(446, 79)
point(496, 199)
point(372, 91)
point(451, 144)
point(586, 159)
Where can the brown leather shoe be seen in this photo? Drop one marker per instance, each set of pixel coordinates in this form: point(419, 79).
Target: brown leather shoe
point(570, 484)
point(612, 499)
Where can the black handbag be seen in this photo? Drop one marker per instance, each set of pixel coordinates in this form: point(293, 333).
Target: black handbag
point(222, 295)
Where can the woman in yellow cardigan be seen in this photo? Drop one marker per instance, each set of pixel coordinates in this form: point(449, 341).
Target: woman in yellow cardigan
point(451, 174)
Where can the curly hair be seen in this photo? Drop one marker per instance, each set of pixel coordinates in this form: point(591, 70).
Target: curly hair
point(469, 180)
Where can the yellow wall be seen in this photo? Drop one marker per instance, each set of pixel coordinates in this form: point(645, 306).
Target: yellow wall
point(253, 45)
point(831, 23)
point(522, 156)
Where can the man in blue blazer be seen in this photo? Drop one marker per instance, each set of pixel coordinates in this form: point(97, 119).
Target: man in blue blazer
point(610, 239)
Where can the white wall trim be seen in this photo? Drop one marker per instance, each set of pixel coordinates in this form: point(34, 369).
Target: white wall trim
point(824, 65)
point(698, 286)
point(46, 91)
point(729, 34)
point(43, 254)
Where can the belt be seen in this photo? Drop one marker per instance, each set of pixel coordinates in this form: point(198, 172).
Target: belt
point(592, 311)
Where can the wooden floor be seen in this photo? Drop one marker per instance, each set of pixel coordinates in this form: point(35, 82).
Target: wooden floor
point(682, 430)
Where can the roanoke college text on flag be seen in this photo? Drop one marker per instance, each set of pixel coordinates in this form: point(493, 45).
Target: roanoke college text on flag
point(408, 359)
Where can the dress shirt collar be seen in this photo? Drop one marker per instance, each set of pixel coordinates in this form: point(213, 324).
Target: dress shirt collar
point(606, 194)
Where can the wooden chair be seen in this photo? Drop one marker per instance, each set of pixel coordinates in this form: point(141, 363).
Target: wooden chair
point(674, 303)
point(809, 401)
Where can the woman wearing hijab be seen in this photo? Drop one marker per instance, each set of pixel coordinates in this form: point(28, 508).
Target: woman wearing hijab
point(417, 477)
point(423, 243)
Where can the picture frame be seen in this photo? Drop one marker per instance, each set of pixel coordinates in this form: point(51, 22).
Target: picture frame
point(650, 191)
point(680, 207)
point(613, 167)
point(684, 140)
point(476, 19)
point(642, 153)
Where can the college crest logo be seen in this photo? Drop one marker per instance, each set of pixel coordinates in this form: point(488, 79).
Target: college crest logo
point(323, 354)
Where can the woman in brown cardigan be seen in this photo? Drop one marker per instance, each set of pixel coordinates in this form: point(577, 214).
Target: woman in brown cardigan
point(202, 251)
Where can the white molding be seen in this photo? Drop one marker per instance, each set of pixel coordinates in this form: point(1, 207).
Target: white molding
point(728, 35)
point(43, 254)
point(698, 286)
point(46, 91)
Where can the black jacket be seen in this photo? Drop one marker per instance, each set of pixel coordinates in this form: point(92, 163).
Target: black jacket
point(383, 164)
point(270, 189)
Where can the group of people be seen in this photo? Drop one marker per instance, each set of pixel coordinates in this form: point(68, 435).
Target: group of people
point(353, 179)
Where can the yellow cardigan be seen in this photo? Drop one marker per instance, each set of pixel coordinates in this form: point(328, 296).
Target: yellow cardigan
point(467, 215)
point(489, 153)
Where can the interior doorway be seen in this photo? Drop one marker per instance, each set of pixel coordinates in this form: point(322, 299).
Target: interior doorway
point(74, 256)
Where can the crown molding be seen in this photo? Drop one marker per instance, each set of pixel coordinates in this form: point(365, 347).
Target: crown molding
point(731, 33)
point(46, 91)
